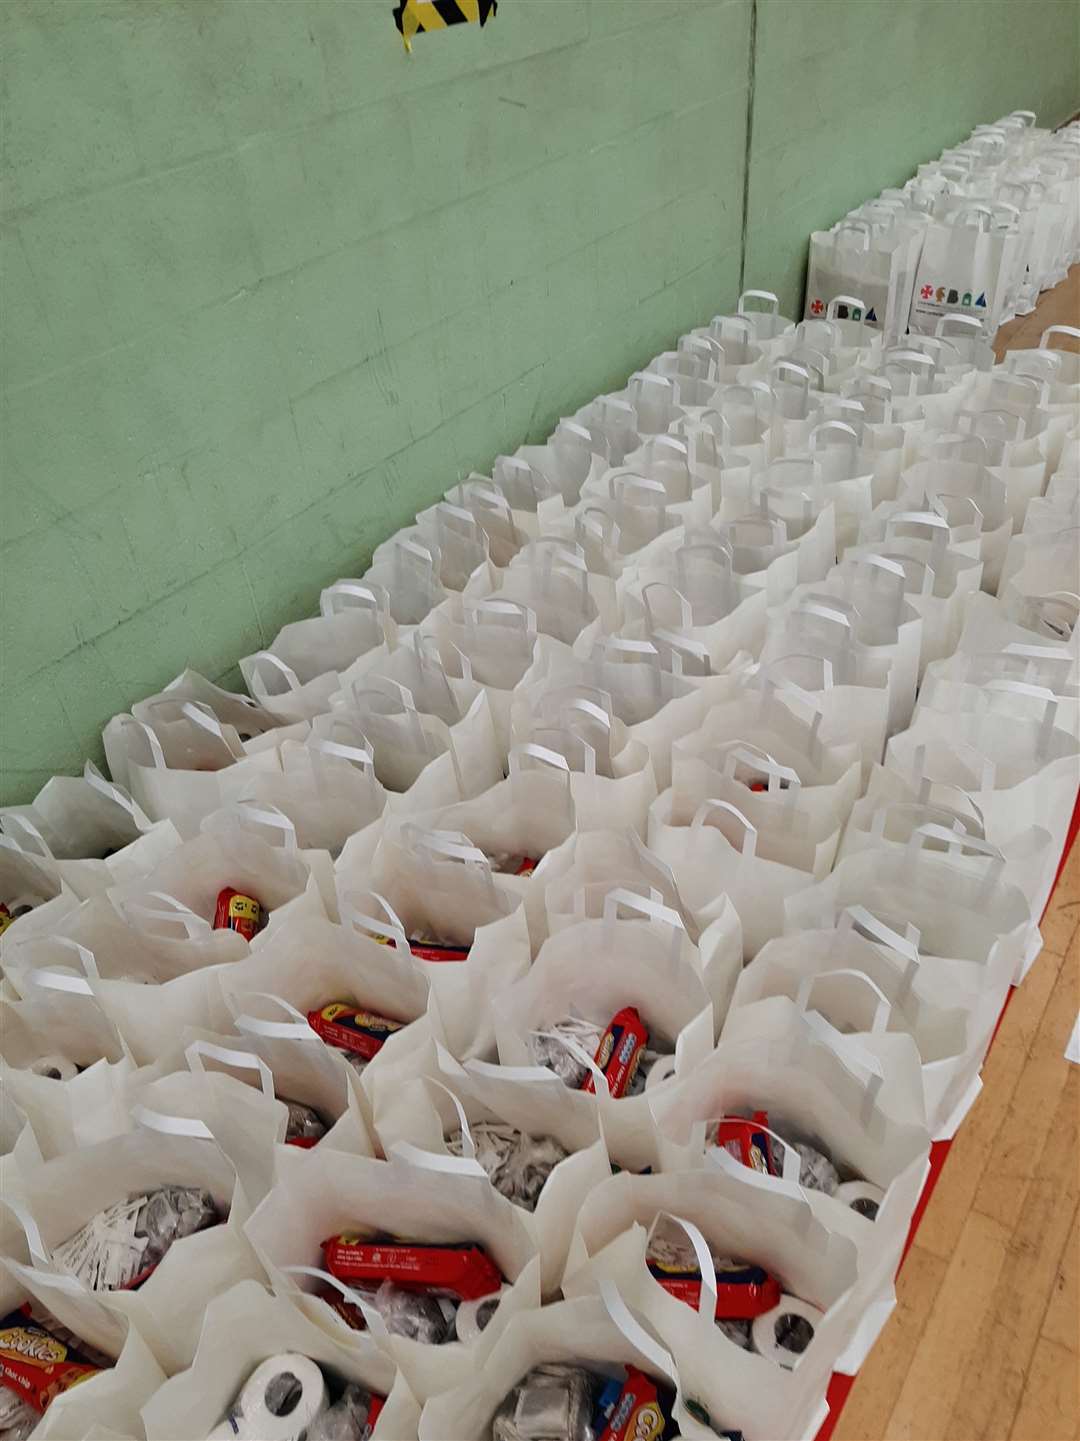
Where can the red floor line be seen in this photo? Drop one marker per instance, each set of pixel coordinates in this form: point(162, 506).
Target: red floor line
point(840, 1386)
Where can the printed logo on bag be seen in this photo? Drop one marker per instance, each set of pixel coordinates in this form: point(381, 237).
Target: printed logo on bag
point(939, 294)
point(967, 298)
point(36, 1347)
point(982, 299)
point(954, 298)
point(816, 308)
point(927, 292)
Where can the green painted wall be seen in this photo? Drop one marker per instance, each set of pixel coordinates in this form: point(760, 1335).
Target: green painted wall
point(269, 285)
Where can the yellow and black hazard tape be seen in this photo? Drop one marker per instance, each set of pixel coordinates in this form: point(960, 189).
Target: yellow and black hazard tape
point(413, 15)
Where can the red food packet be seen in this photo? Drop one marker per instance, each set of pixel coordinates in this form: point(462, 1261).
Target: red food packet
point(425, 952)
point(642, 1411)
point(742, 1292)
point(238, 912)
point(362, 1032)
point(35, 1364)
point(374, 1411)
point(619, 1052)
point(349, 1313)
point(465, 1271)
point(749, 1142)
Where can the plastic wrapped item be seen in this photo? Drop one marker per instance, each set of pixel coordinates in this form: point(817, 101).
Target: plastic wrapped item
point(416, 1315)
point(352, 1417)
point(743, 1290)
point(464, 1271)
point(549, 1403)
point(305, 1126)
point(36, 1364)
point(238, 912)
point(641, 1408)
point(517, 1164)
point(354, 1031)
point(548, 1049)
point(119, 1247)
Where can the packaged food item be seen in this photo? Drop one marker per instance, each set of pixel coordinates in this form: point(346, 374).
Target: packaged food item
point(350, 1029)
point(518, 1165)
point(743, 1290)
point(305, 1127)
point(464, 1271)
point(552, 1402)
point(352, 1417)
point(6, 917)
point(36, 1365)
point(417, 1315)
point(425, 947)
point(619, 1052)
point(548, 1049)
point(350, 1314)
point(237, 912)
point(641, 1412)
point(507, 864)
point(750, 1143)
point(121, 1246)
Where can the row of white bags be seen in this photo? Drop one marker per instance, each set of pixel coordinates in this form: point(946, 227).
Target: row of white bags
point(977, 233)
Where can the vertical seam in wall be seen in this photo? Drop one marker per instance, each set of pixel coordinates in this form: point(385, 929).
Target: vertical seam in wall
point(751, 66)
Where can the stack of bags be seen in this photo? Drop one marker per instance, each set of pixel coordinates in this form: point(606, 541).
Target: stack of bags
point(527, 1013)
point(976, 234)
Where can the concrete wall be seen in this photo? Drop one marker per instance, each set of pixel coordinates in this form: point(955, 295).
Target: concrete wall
point(270, 285)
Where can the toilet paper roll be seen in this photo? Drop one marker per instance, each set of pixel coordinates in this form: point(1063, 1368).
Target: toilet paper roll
point(861, 1197)
point(280, 1399)
point(58, 1068)
point(784, 1333)
point(473, 1316)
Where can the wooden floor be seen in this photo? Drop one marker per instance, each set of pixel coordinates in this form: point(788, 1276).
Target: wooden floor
point(985, 1340)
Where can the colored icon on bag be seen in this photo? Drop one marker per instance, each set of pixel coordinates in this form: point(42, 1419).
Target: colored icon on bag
point(982, 299)
point(939, 294)
point(871, 314)
point(856, 313)
point(816, 308)
point(954, 298)
point(928, 292)
point(967, 298)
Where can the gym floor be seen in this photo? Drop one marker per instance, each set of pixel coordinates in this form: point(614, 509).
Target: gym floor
point(985, 1340)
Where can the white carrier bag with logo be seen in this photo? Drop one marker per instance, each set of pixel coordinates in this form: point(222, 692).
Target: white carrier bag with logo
point(553, 1019)
point(716, 1215)
point(598, 1333)
point(874, 264)
point(964, 268)
point(247, 1329)
point(428, 1199)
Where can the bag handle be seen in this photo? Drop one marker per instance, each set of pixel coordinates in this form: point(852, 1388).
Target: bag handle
point(543, 755)
point(830, 428)
point(372, 1319)
point(252, 668)
point(39, 1252)
point(50, 980)
point(1072, 331)
point(706, 1266)
point(170, 1125)
point(255, 817)
point(965, 323)
point(391, 929)
point(790, 1166)
point(708, 807)
point(200, 1051)
point(771, 301)
point(116, 793)
point(861, 228)
point(297, 1029)
point(622, 899)
point(477, 611)
point(172, 912)
point(857, 918)
point(759, 760)
point(642, 1341)
point(856, 979)
point(442, 1163)
point(335, 598)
